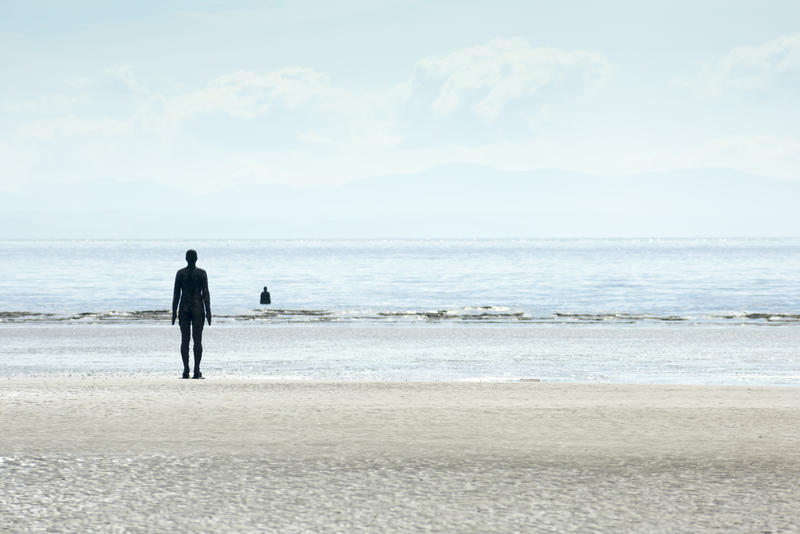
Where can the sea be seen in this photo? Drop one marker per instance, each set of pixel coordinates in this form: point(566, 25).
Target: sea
point(667, 311)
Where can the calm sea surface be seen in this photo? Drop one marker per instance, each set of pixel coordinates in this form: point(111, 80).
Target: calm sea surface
point(687, 311)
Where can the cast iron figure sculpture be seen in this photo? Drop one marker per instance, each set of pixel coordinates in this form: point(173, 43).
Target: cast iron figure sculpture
point(191, 290)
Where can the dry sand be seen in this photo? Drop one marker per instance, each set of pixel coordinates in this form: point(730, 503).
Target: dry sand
point(168, 455)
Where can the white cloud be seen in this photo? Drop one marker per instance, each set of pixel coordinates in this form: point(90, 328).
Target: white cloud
point(78, 82)
point(247, 94)
point(314, 138)
point(70, 125)
point(504, 70)
point(535, 108)
point(17, 161)
point(334, 114)
point(750, 68)
point(122, 74)
point(42, 103)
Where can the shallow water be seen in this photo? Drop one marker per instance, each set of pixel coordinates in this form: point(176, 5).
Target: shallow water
point(723, 311)
point(616, 353)
point(562, 280)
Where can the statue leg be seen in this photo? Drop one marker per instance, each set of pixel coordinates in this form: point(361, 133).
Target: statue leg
point(185, 336)
point(197, 337)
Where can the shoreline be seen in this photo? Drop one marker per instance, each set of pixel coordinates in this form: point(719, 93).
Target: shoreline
point(667, 354)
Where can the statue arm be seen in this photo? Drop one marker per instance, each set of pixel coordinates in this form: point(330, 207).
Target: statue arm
point(176, 296)
point(206, 298)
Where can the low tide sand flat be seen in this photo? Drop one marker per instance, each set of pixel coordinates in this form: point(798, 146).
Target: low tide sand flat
point(137, 454)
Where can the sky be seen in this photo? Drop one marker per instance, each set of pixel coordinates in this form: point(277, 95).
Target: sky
point(207, 95)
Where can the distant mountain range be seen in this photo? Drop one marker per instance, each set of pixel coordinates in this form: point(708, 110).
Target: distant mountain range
point(453, 201)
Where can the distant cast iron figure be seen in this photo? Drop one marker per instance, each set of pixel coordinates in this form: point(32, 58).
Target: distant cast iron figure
point(191, 291)
point(265, 296)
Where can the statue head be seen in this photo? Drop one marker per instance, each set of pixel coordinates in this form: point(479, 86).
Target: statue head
point(191, 256)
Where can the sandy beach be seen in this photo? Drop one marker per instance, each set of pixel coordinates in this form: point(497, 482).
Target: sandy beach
point(112, 454)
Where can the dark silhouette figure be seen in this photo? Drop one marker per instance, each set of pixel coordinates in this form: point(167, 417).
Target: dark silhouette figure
point(191, 290)
point(265, 296)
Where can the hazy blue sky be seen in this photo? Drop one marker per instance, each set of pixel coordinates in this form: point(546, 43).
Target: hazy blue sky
point(211, 94)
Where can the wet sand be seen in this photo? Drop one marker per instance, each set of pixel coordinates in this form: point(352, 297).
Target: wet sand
point(232, 455)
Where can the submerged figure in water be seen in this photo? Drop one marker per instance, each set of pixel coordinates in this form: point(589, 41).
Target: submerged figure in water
point(191, 291)
point(265, 296)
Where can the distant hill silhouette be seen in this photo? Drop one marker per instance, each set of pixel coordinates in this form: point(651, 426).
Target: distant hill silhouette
point(463, 201)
